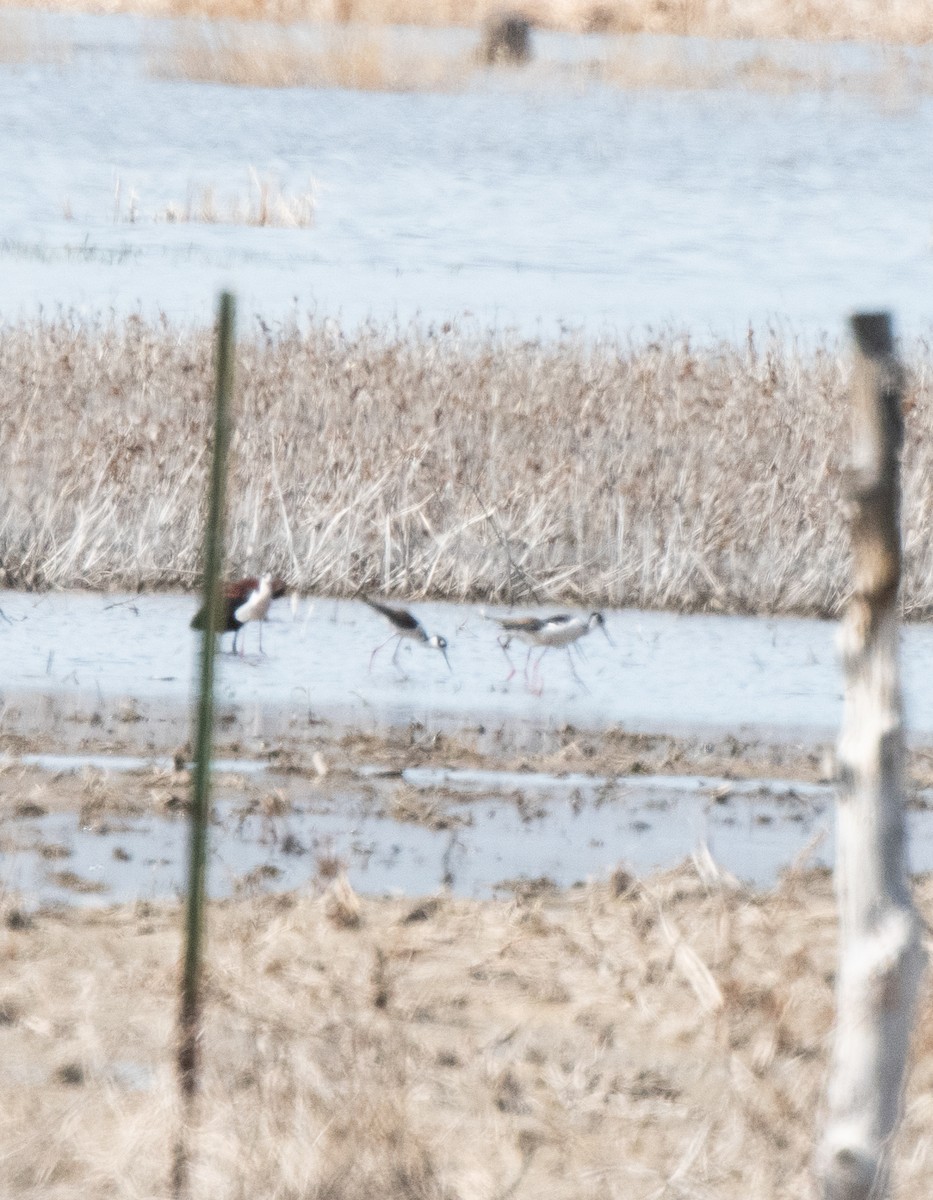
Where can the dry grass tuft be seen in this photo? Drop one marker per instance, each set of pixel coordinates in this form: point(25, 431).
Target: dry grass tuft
point(265, 204)
point(364, 60)
point(423, 464)
point(669, 1038)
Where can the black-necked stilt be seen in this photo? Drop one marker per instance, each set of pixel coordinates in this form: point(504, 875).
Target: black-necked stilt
point(404, 625)
point(243, 601)
point(549, 633)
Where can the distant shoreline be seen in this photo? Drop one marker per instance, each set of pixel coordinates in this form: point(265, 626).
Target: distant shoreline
point(808, 20)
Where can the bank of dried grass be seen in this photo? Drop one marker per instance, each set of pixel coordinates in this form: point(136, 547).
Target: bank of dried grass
point(358, 58)
point(860, 20)
point(367, 58)
point(618, 1040)
point(429, 464)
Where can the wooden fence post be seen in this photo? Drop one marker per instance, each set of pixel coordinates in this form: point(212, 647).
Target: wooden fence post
point(189, 1020)
point(881, 958)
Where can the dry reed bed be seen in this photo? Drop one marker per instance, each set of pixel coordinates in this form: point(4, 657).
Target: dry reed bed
point(370, 59)
point(359, 59)
point(428, 464)
point(373, 58)
point(622, 1040)
point(897, 21)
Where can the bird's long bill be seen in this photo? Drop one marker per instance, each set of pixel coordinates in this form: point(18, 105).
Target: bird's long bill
point(443, 650)
point(608, 638)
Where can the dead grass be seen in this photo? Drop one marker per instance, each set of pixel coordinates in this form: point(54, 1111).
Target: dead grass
point(361, 59)
point(428, 465)
point(24, 40)
point(623, 1040)
point(265, 204)
point(901, 21)
point(370, 59)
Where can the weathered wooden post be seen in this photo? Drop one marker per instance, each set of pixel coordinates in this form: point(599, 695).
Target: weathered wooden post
point(880, 957)
point(189, 1020)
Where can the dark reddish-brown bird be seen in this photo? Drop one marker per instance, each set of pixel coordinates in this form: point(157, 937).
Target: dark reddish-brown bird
point(243, 601)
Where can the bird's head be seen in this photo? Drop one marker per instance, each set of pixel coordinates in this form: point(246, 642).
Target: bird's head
point(440, 643)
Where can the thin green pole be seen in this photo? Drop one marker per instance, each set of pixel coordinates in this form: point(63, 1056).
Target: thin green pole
point(189, 1033)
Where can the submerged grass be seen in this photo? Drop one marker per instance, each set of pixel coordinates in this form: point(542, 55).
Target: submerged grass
point(266, 204)
point(432, 464)
point(617, 1040)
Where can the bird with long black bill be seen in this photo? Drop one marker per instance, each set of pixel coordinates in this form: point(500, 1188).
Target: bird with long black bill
point(242, 601)
point(549, 633)
point(405, 626)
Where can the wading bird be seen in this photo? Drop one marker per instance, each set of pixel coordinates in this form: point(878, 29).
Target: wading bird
point(404, 625)
point(242, 601)
point(550, 633)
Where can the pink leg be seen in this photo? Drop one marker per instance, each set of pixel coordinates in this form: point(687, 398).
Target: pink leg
point(504, 647)
point(378, 648)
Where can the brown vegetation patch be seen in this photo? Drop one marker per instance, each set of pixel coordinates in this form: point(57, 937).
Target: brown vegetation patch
point(423, 464)
point(373, 59)
point(23, 39)
point(860, 20)
point(669, 1036)
point(361, 59)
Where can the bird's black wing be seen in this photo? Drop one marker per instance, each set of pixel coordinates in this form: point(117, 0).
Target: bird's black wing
point(521, 624)
point(401, 618)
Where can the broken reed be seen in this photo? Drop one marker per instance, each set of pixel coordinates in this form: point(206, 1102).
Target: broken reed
point(190, 1017)
point(434, 463)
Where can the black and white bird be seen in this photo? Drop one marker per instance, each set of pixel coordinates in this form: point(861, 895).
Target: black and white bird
point(549, 633)
point(405, 625)
point(242, 601)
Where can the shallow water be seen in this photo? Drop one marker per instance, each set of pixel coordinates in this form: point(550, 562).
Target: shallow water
point(486, 832)
point(126, 665)
point(564, 830)
point(114, 672)
point(515, 202)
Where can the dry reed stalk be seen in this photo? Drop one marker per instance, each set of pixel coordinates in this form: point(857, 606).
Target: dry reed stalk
point(654, 475)
point(551, 1045)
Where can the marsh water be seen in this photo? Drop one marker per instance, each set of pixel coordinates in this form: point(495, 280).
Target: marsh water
point(118, 671)
point(129, 657)
point(545, 200)
point(541, 200)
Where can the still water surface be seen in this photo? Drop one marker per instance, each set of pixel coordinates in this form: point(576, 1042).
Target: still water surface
point(120, 668)
point(514, 202)
point(662, 672)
